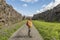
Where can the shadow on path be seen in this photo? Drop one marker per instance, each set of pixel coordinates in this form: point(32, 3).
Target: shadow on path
point(20, 36)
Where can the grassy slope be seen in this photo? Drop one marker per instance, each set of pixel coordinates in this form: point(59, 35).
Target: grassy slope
point(7, 32)
point(48, 30)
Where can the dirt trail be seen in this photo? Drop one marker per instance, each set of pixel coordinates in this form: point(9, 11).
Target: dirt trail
point(22, 34)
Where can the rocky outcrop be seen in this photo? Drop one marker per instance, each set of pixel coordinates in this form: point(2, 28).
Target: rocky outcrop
point(49, 15)
point(7, 14)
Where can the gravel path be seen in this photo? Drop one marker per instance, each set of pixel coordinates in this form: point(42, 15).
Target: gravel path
point(22, 34)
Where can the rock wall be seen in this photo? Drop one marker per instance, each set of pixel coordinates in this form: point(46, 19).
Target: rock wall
point(7, 14)
point(49, 15)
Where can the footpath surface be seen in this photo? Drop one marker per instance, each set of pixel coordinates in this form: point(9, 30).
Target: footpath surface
point(22, 34)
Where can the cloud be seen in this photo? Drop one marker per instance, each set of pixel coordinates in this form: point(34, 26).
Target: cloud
point(37, 11)
point(43, 6)
point(56, 2)
point(49, 6)
point(29, 0)
point(24, 5)
point(52, 5)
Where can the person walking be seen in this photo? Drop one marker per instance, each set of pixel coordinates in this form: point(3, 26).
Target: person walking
point(29, 25)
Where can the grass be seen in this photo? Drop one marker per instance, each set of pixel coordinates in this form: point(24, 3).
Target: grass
point(7, 32)
point(48, 30)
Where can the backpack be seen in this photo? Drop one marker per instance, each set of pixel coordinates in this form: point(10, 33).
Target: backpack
point(29, 23)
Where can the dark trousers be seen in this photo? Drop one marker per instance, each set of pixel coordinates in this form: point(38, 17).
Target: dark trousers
point(29, 32)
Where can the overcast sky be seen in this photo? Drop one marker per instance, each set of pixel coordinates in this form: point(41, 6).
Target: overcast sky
point(30, 7)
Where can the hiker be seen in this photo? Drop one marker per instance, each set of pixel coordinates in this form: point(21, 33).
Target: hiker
point(29, 25)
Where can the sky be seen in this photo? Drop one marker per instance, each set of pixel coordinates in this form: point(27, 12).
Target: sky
point(31, 7)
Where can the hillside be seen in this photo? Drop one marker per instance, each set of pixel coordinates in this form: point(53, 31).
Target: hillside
point(7, 14)
point(49, 15)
